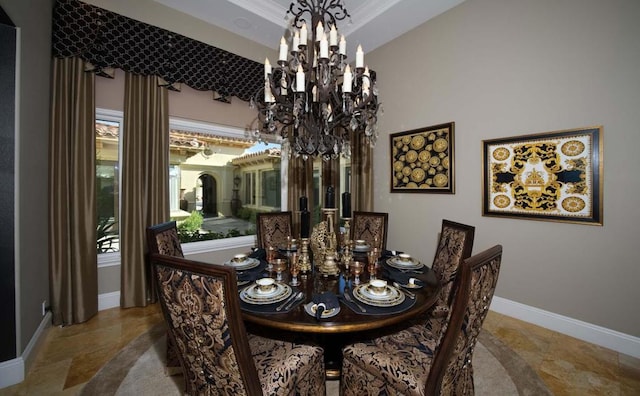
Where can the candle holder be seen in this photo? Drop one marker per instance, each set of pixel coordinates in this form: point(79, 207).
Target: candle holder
point(304, 262)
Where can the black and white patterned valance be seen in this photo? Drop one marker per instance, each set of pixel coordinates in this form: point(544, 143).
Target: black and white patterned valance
point(107, 39)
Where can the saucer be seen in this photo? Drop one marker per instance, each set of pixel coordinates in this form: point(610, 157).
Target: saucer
point(398, 263)
point(249, 263)
point(253, 295)
point(310, 308)
point(390, 298)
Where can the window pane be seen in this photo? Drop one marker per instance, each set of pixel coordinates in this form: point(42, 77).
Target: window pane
point(107, 182)
point(221, 182)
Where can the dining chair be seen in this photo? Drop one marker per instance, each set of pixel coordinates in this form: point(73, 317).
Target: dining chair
point(370, 227)
point(163, 238)
point(455, 244)
point(201, 307)
point(416, 361)
point(273, 228)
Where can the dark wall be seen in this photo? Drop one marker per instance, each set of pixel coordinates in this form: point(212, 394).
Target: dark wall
point(7, 190)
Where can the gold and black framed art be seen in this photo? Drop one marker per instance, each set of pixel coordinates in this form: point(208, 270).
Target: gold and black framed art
point(422, 160)
point(553, 176)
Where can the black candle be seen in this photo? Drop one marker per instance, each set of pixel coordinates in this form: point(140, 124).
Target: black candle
point(303, 203)
point(305, 220)
point(329, 198)
point(346, 205)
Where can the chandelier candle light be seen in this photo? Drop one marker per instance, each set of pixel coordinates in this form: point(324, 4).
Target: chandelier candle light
point(312, 98)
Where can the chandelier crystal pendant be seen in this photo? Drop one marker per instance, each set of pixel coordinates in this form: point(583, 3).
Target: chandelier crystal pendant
point(312, 97)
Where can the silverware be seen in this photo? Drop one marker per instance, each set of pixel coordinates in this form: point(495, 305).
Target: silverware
point(407, 292)
point(288, 300)
point(299, 297)
point(347, 297)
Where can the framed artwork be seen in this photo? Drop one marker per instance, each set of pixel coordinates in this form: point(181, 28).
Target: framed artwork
point(422, 160)
point(554, 176)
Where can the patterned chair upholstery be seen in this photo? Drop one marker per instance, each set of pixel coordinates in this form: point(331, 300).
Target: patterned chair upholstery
point(454, 245)
point(201, 307)
point(415, 362)
point(370, 227)
point(163, 239)
point(273, 228)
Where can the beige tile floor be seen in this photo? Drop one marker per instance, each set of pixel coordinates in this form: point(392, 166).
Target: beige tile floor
point(70, 356)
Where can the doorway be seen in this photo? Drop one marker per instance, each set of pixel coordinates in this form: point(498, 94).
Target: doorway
point(209, 196)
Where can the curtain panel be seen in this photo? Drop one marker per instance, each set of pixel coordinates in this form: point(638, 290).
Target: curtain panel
point(145, 182)
point(73, 270)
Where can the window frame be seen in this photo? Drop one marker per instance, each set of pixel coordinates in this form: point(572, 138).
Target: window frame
point(113, 258)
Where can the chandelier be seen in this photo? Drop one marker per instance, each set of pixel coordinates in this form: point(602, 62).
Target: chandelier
point(312, 97)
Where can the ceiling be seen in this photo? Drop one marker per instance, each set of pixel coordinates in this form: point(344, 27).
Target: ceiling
point(373, 22)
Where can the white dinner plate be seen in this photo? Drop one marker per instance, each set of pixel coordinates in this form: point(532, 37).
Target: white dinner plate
point(253, 295)
point(248, 263)
point(390, 298)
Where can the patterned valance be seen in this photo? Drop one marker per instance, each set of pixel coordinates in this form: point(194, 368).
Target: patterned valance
point(107, 39)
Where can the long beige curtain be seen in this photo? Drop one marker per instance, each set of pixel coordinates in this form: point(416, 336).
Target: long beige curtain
point(361, 172)
point(73, 272)
point(145, 181)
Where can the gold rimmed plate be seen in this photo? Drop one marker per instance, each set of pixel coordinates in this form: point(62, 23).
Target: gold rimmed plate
point(403, 264)
point(249, 263)
point(253, 295)
point(391, 297)
point(310, 308)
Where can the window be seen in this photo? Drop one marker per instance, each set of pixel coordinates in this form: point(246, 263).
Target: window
point(218, 179)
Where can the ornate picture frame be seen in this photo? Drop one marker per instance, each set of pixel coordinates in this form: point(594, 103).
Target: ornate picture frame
point(552, 176)
point(422, 160)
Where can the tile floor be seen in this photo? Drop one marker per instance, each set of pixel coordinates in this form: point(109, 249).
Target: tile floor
point(70, 356)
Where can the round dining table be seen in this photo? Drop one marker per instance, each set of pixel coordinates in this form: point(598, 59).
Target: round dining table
point(350, 324)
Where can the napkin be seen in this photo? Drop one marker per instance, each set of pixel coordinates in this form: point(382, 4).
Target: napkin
point(258, 253)
point(390, 253)
point(324, 302)
point(401, 278)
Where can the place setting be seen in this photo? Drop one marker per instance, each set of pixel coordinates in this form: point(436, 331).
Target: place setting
point(248, 267)
point(377, 297)
point(266, 295)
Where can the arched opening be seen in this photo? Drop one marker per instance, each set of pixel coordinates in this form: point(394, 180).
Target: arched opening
point(209, 196)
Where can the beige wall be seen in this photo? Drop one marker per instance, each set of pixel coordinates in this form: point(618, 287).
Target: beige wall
point(505, 68)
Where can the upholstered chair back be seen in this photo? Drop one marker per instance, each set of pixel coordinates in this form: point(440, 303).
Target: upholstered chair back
point(454, 245)
point(478, 279)
point(370, 227)
point(163, 238)
point(273, 228)
point(200, 305)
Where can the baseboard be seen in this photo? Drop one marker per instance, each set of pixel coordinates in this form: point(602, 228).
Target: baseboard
point(108, 300)
point(607, 338)
point(13, 371)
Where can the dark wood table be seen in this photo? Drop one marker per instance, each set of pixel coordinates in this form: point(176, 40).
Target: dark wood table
point(348, 325)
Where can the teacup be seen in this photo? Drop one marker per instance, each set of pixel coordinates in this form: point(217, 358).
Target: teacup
point(265, 285)
point(404, 257)
point(239, 258)
point(378, 286)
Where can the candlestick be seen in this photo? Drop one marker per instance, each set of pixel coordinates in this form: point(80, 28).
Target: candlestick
point(359, 57)
point(284, 48)
point(305, 221)
point(347, 78)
